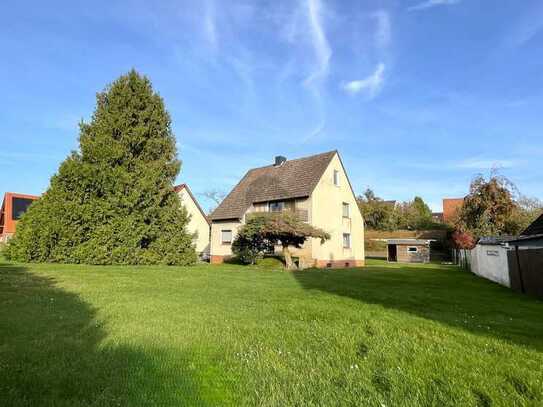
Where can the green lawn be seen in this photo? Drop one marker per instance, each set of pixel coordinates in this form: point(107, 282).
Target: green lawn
point(230, 335)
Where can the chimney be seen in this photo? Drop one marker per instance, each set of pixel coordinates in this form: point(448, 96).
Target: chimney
point(279, 160)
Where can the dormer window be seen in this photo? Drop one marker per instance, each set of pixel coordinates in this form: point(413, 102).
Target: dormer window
point(336, 178)
point(276, 206)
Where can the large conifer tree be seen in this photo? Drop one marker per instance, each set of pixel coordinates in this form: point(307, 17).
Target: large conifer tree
point(112, 202)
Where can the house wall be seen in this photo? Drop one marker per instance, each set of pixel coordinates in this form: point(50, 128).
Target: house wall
point(326, 213)
point(9, 225)
point(450, 208)
point(421, 256)
point(220, 251)
point(490, 262)
point(197, 223)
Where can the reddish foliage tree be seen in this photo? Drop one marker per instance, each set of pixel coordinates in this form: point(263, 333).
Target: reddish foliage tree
point(463, 240)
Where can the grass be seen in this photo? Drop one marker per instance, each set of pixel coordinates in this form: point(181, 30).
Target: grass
point(385, 335)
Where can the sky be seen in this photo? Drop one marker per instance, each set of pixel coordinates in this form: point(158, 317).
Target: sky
point(418, 96)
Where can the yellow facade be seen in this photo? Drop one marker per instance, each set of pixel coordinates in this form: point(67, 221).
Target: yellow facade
point(324, 209)
point(198, 224)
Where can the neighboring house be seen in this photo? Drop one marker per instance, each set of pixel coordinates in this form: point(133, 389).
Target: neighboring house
point(450, 208)
point(532, 237)
point(317, 189)
point(198, 223)
point(13, 207)
point(437, 217)
point(408, 250)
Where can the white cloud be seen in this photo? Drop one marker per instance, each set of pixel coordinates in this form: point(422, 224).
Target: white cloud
point(432, 3)
point(320, 44)
point(383, 31)
point(484, 164)
point(371, 85)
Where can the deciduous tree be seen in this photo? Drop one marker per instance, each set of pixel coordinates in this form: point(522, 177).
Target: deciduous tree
point(284, 228)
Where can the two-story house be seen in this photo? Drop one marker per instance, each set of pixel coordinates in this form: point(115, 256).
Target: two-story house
point(317, 189)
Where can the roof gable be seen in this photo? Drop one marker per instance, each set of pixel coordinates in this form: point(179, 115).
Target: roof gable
point(536, 228)
point(293, 179)
point(180, 187)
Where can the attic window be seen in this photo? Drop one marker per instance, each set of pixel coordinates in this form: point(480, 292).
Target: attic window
point(276, 206)
point(336, 178)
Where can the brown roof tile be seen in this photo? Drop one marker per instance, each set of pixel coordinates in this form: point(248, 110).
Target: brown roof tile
point(293, 179)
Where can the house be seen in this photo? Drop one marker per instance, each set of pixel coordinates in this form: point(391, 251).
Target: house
point(317, 188)
point(408, 250)
point(198, 223)
point(450, 208)
point(532, 237)
point(13, 207)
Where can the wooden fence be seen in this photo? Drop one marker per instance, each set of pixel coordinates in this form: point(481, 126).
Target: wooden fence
point(461, 257)
point(526, 271)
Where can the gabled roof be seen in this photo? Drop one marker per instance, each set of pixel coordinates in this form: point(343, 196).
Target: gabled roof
point(536, 228)
point(180, 187)
point(293, 179)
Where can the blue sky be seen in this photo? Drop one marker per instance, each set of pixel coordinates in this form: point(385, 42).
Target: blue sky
point(417, 95)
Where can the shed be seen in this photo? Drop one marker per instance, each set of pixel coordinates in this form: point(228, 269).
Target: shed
point(408, 250)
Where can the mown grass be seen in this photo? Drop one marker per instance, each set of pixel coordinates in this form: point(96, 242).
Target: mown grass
point(231, 335)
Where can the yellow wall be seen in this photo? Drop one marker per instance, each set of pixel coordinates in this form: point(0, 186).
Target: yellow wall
point(217, 248)
point(327, 214)
point(197, 224)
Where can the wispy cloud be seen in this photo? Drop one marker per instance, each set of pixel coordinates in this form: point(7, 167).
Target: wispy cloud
point(432, 3)
point(320, 44)
point(529, 26)
point(209, 25)
point(484, 164)
point(383, 31)
point(371, 85)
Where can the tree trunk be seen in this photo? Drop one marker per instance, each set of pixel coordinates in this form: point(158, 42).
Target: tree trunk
point(288, 258)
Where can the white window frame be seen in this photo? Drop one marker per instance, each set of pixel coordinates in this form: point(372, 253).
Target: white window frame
point(225, 242)
point(335, 178)
point(345, 205)
point(412, 251)
point(348, 236)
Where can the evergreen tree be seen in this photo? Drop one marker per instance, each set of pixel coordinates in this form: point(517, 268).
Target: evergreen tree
point(112, 202)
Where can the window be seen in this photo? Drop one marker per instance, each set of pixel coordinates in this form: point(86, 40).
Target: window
point(276, 206)
point(226, 236)
point(19, 207)
point(336, 178)
point(346, 240)
point(346, 212)
point(412, 249)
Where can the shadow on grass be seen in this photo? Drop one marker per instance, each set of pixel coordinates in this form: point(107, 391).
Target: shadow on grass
point(441, 293)
point(51, 354)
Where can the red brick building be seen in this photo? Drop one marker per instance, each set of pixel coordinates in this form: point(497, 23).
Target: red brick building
point(450, 208)
point(13, 207)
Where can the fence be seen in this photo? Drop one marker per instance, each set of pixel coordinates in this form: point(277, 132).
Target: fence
point(526, 271)
point(462, 257)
